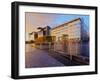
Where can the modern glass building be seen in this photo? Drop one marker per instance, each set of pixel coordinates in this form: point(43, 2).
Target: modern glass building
point(71, 30)
point(68, 37)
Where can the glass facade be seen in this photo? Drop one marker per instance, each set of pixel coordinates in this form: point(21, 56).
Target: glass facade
point(73, 30)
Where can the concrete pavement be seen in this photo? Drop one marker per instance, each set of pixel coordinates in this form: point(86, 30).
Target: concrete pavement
point(39, 58)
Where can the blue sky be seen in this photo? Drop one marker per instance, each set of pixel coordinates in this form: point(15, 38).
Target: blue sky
point(34, 20)
point(68, 17)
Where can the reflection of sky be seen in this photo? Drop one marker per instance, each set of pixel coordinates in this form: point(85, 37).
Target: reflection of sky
point(34, 20)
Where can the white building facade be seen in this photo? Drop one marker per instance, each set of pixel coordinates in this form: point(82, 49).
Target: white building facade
point(72, 29)
point(68, 37)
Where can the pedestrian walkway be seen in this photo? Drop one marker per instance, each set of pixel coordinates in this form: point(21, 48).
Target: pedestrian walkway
point(39, 58)
point(61, 58)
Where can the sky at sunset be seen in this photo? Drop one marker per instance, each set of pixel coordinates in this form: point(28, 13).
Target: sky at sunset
point(35, 20)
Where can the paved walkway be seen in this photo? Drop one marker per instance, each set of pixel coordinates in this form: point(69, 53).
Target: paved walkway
point(61, 58)
point(39, 58)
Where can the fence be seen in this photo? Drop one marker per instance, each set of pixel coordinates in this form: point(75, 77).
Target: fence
point(68, 47)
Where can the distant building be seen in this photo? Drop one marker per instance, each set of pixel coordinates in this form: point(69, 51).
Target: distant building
point(35, 35)
point(44, 31)
point(43, 38)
